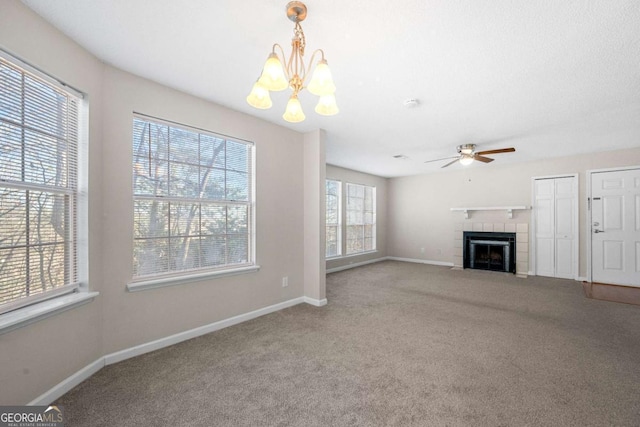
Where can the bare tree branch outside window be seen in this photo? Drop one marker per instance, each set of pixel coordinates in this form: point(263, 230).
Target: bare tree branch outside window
point(333, 214)
point(361, 218)
point(38, 167)
point(192, 199)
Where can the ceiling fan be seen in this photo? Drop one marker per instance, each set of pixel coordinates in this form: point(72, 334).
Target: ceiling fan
point(467, 154)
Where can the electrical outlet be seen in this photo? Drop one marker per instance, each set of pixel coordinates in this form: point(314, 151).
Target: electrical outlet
point(421, 250)
point(285, 281)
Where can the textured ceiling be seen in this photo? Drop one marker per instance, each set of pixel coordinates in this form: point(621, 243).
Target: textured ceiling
point(548, 77)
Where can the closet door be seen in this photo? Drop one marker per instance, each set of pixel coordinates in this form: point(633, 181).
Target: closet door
point(544, 217)
point(555, 216)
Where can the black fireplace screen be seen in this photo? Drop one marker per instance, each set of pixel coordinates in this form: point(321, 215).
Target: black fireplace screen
point(489, 251)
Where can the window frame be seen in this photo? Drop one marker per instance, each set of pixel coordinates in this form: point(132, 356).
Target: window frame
point(173, 277)
point(338, 224)
point(362, 223)
point(27, 310)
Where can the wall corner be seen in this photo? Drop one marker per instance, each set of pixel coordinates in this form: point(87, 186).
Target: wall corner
point(314, 221)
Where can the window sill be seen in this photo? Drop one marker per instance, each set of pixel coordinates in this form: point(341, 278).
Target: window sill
point(375, 251)
point(162, 282)
point(36, 312)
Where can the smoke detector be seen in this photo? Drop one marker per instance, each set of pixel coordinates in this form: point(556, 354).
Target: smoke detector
point(411, 103)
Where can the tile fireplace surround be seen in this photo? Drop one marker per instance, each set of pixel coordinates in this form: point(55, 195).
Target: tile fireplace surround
point(522, 241)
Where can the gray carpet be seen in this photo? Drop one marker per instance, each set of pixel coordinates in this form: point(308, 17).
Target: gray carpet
point(399, 344)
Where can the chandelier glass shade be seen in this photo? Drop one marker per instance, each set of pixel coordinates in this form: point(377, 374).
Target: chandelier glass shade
point(259, 97)
point(272, 77)
point(327, 105)
point(279, 74)
point(294, 113)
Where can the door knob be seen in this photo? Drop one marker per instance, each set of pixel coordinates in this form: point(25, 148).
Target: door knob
point(598, 231)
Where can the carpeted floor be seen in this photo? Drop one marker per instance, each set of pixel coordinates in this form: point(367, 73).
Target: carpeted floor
point(398, 344)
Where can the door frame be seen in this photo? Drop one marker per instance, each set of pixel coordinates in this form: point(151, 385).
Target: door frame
point(576, 222)
point(589, 221)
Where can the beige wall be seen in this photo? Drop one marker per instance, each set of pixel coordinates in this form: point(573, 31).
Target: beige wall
point(37, 357)
point(420, 216)
point(134, 318)
point(348, 175)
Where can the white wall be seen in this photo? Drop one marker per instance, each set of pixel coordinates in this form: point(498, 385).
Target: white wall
point(355, 177)
point(420, 216)
point(36, 357)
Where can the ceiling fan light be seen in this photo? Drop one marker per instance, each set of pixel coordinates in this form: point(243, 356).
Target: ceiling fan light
point(466, 160)
point(294, 113)
point(327, 105)
point(272, 77)
point(259, 97)
point(321, 80)
point(466, 149)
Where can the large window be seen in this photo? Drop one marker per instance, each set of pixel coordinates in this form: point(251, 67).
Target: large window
point(38, 186)
point(193, 200)
point(333, 218)
point(361, 218)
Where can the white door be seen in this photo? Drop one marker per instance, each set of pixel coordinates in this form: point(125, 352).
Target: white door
point(544, 209)
point(615, 227)
point(555, 216)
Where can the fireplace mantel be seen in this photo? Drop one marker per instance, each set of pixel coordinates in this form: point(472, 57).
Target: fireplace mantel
point(508, 209)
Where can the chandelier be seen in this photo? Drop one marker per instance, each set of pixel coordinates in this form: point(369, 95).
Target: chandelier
point(276, 77)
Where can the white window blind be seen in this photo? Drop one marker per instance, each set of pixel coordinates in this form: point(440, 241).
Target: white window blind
point(333, 218)
point(193, 200)
point(361, 218)
point(38, 187)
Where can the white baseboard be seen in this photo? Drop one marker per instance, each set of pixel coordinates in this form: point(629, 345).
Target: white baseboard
point(577, 278)
point(316, 302)
point(196, 332)
point(356, 264)
point(67, 384)
point(70, 382)
point(421, 261)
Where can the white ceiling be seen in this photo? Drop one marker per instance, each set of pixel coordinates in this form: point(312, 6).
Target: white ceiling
point(548, 77)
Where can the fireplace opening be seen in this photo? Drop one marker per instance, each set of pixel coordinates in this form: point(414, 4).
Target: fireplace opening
point(489, 251)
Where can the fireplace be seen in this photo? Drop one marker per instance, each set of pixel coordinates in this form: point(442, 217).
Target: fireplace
point(489, 251)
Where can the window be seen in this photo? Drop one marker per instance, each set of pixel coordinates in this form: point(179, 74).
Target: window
point(38, 186)
point(333, 218)
point(193, 200)
point(361, 218)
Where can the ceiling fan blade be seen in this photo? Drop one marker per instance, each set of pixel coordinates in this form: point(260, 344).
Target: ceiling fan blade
point(482, 159)
point(450, 163)
point(501, 150)
point(446, 158)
